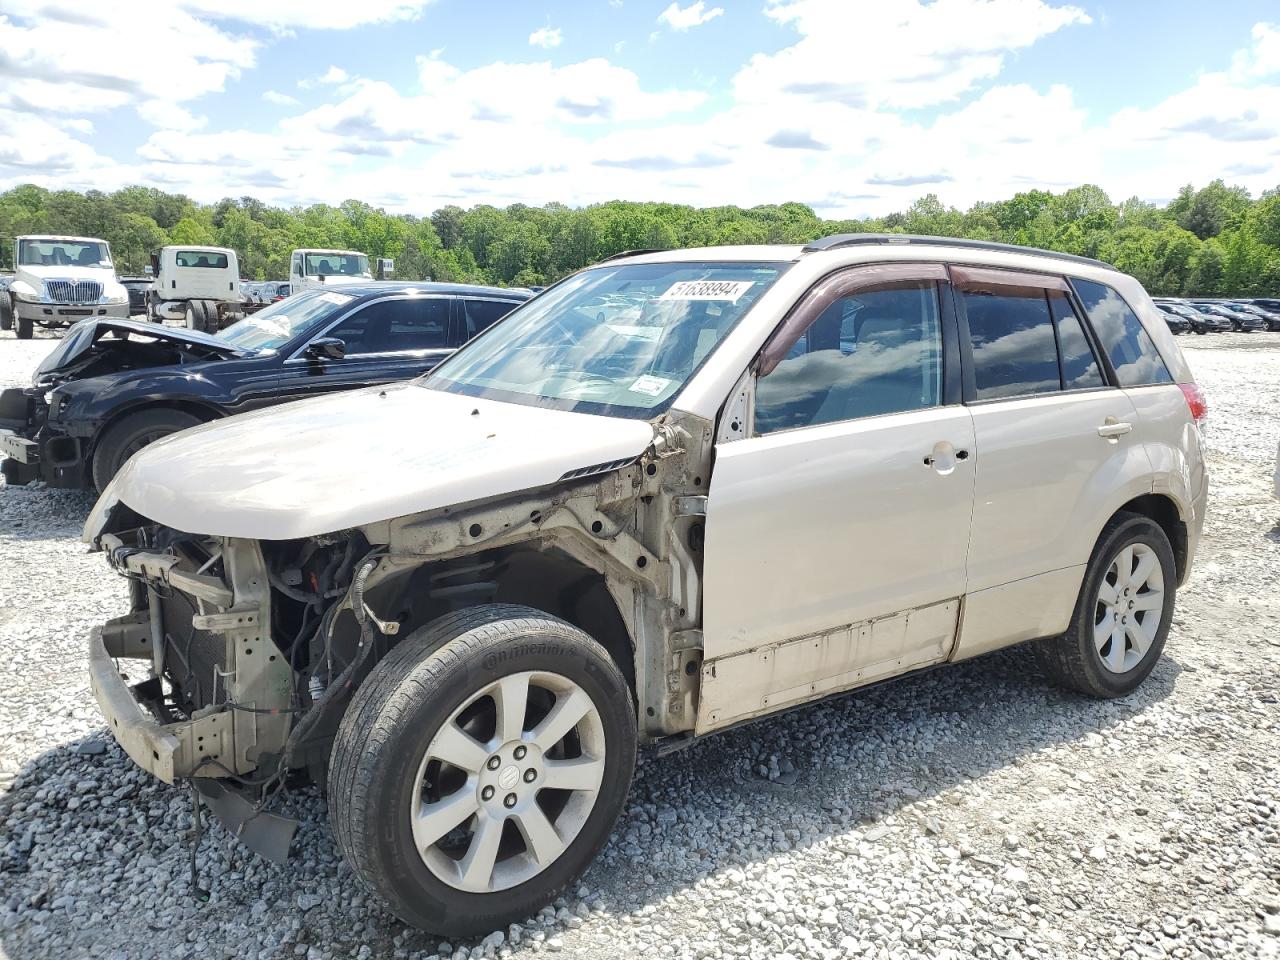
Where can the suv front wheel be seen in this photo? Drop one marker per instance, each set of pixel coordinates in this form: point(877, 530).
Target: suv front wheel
point(1123, 614)
point(480, 767)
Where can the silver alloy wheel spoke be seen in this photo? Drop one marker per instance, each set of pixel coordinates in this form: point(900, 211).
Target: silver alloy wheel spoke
point(434, 820)
point(464, 837)
point(564, 716)
point(1137, 634)
point(585, 773)
point(1108, 594)
point(540, 834)
point(1151, 600)
point(475, 869)
point(1102, 631)
point(1115, 658)
point(453, 745)
point(511, 698)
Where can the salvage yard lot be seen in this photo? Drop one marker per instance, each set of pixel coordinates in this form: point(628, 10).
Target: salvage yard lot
point(973, 811)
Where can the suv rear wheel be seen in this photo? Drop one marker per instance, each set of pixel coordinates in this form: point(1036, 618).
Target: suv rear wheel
point(481, 766)
point(1123, 613)
point(6, 313)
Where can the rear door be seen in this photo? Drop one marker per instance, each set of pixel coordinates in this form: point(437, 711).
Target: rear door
point(1056, 452)
point(837, 525)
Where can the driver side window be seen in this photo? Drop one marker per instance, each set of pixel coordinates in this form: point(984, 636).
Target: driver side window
point(396, 326)
point(867, 354)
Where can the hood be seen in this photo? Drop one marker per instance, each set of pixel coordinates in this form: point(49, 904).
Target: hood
point(336, 462)
point(86, 339)
point(67, 272)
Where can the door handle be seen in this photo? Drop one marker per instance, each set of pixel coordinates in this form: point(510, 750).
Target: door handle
point(943, 458)
point(1113, 429)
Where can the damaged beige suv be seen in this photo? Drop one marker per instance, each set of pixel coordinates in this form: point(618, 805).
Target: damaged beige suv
point(677, 491)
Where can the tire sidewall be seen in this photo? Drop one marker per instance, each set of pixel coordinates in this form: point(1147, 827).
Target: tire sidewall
point(538, 650)
point(1133, 530)
point(106, 458)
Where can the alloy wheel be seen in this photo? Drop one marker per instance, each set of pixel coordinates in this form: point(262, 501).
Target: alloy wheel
point(1128, 608)
point(508, 781)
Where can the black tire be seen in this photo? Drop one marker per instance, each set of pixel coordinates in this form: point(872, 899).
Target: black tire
point(6, 313)
point(125, 438)
point(391, 721)
point(26, 328)
point(1072, 660)
point(1200, 331)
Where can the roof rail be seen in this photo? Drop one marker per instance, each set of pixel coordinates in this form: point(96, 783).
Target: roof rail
point(835, 241)
point(630, 253)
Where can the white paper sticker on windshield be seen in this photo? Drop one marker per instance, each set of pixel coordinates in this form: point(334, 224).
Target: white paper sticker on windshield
point(337, 298)
point(649, 386)
point(729, 290)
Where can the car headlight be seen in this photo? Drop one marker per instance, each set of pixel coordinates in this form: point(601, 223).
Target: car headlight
point(121, 297)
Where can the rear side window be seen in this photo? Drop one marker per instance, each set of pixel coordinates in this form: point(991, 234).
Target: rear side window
point(1129, 347)
point(1079, 366)
point(481, 314)
point(1015, 353)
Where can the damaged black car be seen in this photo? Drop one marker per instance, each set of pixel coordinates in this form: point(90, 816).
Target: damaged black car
point(113, 386)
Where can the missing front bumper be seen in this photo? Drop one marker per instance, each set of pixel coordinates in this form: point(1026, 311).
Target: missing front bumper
point(175, 751)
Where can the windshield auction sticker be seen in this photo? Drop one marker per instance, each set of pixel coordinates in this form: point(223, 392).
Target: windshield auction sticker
point(649, 385)
point(729, 290)
point(336, 298)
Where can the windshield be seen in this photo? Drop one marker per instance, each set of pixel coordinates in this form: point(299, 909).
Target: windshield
point(620, 341)
point(201, 258)
point(272, 328)
point(63, 253)
point(336, 265)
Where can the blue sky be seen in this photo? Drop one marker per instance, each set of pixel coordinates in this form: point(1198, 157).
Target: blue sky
point(854, 106)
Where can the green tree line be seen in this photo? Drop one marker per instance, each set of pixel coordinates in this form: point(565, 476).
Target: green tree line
point(1214, 241)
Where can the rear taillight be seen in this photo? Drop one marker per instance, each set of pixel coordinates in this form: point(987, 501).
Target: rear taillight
point(1196, 401)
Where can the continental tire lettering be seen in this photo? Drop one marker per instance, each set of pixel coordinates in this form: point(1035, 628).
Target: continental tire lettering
point(492, 660)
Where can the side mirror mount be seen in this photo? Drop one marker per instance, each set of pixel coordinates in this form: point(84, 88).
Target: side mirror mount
point(326, 348)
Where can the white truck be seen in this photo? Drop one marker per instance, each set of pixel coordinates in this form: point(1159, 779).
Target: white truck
point(58, 281)
point(198, 285)
point(310, 269)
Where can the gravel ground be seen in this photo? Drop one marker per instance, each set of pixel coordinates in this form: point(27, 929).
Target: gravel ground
point(969, 812)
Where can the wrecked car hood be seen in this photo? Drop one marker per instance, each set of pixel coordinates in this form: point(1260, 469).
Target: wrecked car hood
point(331, 463)
point(82, 338)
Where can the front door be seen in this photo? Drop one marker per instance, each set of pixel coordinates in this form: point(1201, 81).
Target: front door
point(837, 528)
point(388, 340)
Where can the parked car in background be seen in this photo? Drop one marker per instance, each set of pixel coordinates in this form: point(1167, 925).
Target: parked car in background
point(1238, 320)
point(463, 601)
point(114, 386)
point(59, 280)
point(1270, 318)
point(139, 292)
point(1175, 321)
point(1196, 321)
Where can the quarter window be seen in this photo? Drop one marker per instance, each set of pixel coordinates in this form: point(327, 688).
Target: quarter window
point(1127, 344)
point(1079, 365)
point(201, 258)
point(870, 353)
point(1015, 353)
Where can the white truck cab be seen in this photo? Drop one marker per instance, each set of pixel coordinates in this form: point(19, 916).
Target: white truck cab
point(309, 269)
point(58, 281)
point(198, 285)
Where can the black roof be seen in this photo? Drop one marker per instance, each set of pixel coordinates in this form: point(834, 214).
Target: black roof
point(382, 287)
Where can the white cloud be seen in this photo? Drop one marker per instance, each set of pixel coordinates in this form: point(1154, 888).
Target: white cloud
point(907, 54)
point(546, 37)
point(280, 99)
point(685, 18)
point(169, 116)
point(1263, 58)
point(288, 15)
point(333, 76)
